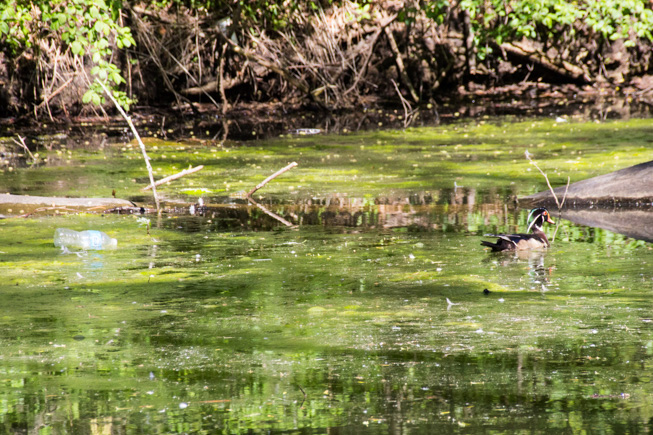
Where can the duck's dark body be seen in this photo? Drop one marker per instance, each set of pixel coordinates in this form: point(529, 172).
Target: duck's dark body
point(521, 242)
point(518, 242)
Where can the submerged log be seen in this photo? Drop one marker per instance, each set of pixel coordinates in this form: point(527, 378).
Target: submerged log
point(53, 201)
point(13, 205)
point(628, 187)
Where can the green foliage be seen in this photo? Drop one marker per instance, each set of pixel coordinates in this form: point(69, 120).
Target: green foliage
point(499, 21)
point(83, 27)
point(436, 10)
point(15, 19)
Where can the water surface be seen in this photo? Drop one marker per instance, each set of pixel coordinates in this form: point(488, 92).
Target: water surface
point(368, 316)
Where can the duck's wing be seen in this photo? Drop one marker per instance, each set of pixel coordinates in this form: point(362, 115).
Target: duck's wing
point(510, 238)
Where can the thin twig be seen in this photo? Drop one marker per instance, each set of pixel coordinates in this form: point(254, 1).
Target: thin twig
point(370, 51)
point(559, 211)
point(405, 104)
point(558, 203)
point(22, 145)
point(408, 108)
point(564, 197)
point(272, 177)
point(138, 138)
point(47, 99)
point(223, 95)
point(528, 156)
point(174, 176)
point(305, 395)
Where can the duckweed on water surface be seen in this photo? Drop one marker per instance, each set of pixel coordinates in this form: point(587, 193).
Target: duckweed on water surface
point(484, 155)
point(369, 316)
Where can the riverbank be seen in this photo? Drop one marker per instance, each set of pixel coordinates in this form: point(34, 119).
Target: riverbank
point(247, 121)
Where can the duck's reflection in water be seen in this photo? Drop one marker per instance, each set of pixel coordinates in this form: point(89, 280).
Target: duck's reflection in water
point(539, 275)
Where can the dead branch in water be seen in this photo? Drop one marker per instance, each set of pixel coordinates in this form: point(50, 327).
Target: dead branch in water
point(175, 176)
point(138, 138)
point(271, 177)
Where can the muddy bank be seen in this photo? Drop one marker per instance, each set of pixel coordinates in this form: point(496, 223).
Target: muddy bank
point(249, 121)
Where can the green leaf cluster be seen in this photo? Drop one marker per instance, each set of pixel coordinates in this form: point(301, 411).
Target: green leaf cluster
point(82, 27)
point(548, 21)
point(15, 24)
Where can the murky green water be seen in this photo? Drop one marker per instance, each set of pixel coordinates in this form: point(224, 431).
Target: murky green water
point(369, 316)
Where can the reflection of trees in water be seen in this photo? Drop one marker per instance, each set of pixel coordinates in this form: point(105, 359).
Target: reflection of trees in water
point(456, 209)
point(453, 210)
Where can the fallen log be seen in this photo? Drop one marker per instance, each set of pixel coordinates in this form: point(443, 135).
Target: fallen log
point(628, 187)
point(53, 201)
point(24, 205)
point(566, 69)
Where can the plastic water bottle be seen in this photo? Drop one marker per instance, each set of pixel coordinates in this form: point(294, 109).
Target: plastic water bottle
point(90, 239)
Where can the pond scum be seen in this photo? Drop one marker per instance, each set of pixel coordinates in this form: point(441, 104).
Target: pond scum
point(369, 314)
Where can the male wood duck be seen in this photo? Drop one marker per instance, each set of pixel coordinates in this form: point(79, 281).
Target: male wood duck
point(521, 242)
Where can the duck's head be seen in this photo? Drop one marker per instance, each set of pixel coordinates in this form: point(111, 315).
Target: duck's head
point(537, 217)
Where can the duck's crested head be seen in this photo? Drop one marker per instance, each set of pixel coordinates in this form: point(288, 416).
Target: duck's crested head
point(537, 217)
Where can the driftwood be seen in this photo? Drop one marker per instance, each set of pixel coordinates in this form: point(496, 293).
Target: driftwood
point(271, 177)
point(635, 223)
point(9, 199)
point(628, 187)
point(212, 86)
point(174, 176)
point(568, 70)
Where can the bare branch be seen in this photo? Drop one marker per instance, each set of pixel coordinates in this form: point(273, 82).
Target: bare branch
point(400, 64)
point(138, 138)
point(175, 176)
point(272, 177)
point(528, 156)
point(23, 146)
point(558, 203)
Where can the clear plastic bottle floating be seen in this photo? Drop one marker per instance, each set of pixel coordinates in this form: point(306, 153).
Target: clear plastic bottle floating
point(89, 239)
